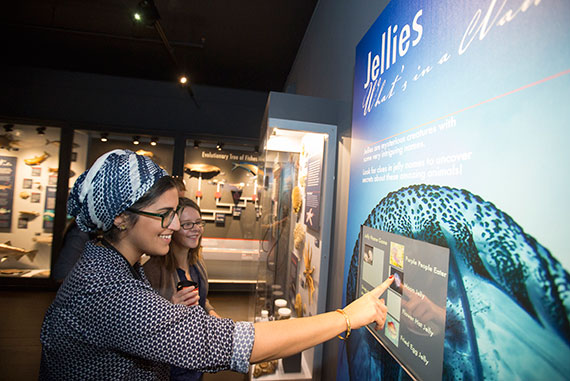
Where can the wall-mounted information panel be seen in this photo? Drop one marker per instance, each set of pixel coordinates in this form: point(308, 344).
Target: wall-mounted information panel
point(415, 326)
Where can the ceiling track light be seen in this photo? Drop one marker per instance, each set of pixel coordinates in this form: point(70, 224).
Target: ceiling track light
point(196, 144)
point(153, 141)
point(104, 137)
point(136, 140)
point(219, 146)
point(146, 13)
point(41, 130)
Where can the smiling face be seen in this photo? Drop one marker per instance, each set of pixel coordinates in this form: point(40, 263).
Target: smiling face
point(189, 238)
point(147, 235)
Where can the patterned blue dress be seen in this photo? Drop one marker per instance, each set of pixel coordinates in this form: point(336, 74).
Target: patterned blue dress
point(107, 322)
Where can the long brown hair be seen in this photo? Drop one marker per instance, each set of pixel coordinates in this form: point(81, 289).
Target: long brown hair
point(168, 261)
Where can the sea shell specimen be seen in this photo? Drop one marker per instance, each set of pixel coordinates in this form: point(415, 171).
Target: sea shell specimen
point(297, 199)
point(262, 368)
point(299, 236)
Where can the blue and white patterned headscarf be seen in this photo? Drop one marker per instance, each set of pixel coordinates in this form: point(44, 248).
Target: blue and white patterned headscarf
point(113, 183)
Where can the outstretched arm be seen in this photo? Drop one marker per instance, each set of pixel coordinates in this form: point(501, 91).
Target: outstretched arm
point(277, 339)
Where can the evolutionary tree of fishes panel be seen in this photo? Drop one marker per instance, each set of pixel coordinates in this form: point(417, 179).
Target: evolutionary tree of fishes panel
point(225, 186)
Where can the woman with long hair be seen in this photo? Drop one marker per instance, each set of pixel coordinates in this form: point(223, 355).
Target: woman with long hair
point(183, 263)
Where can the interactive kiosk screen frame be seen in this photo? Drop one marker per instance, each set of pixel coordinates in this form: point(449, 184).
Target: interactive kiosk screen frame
point(415, 326)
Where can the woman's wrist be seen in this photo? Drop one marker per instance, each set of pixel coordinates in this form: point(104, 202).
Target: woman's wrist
point(348, 325)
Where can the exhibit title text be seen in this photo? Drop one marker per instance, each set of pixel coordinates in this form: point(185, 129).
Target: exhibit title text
point(396, 41)
point(393, 45)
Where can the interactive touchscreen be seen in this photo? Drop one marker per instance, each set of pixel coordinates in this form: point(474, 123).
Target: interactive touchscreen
point(415, 326)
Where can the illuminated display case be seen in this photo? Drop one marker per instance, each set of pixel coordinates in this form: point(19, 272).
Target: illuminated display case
point(296, 204)
point(29, 160)
point(223, 181)
point(31, 201)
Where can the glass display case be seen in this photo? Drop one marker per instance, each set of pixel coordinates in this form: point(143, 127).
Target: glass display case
point(29, 160)
point(296, 203)
point(223, 180)
point(29, 176)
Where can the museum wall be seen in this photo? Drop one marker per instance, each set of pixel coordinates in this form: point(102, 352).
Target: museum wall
point(100, 101)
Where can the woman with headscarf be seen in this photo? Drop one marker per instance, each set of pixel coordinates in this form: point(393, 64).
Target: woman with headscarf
point(107, 322)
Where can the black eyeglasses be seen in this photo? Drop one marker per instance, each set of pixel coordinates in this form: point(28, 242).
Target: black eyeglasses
point(166, 218)
point(190, 225)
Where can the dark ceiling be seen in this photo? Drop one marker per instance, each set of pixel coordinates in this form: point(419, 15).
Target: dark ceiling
point(237, 44)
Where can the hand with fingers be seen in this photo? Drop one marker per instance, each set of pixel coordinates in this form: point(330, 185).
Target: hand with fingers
point(369, 308)
point(187, 296)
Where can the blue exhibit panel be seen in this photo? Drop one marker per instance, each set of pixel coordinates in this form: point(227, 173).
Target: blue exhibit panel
point(460, 140)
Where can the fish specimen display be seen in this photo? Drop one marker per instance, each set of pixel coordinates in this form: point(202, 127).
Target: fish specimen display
point(4, 210)
point(5, 187)
point(297, 199)
point(238, 187)
point(55, 170)
point(16, 272)
point(9, 251)
point(200, 171)
point(236, 190)
point(7, 142)
point(28, 214)
point(251, 168)
point(43, 238)
point(142, 152)
point(42, 274)
point(57, 143)
point(308, 272)
point(204, 171)
point(37, 159)
point(24, 195)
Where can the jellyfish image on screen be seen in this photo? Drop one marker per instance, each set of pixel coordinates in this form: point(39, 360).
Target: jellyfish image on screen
point(397, 255)
point(398, 283)
point(397, 280)
point(532, 293)
point(392, 329)
point(368, 255)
